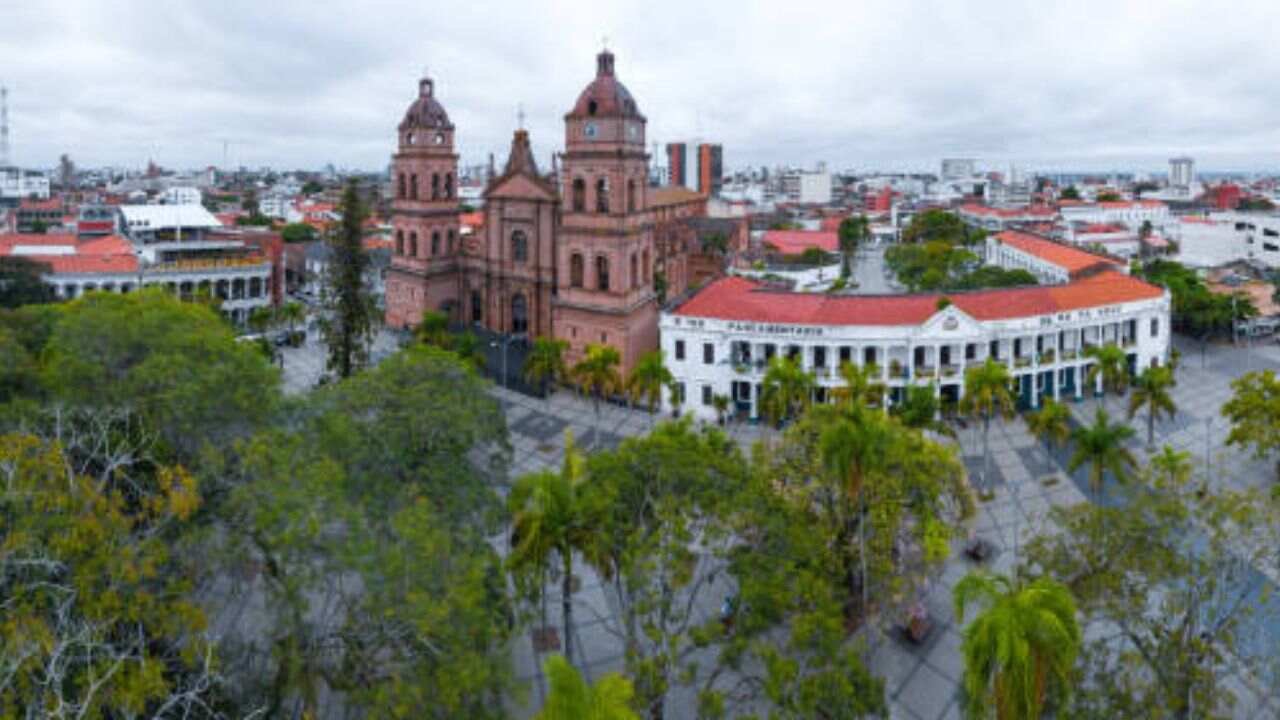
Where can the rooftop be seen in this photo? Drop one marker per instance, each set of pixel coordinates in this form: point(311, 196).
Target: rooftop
point(1072, 259)
point(161, 217)
point(674, 195)
point(794, 242)
point(736, 298)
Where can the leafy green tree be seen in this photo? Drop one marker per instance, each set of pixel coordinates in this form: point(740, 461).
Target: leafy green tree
point(262, 319)
point(557, 512)
point(293, 313)
point(311, 187)
point(1070, 193)
point(935, 225)
point(569, 697)
point(853, 231)
point(1163, 569)
point(1102, 446)
point(1108, 196)
point(434, 329)
point(1111, 365)
point(920, 408)
point(991, 276)
point(544, 367)
point(1019, 651)
point(22, 282)
point(1050, 424)
point(99, 620)
point(1254, 413)
point(786, 391)
point(647, 379)
point(1151, 393)
point(351, 313)
point(298, 233)
point(986, 395)
point(597, 374)
point(861, 388)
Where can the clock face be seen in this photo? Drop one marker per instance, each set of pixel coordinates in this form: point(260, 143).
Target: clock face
point(633, 131)
point(589, 130)
point(439, 138)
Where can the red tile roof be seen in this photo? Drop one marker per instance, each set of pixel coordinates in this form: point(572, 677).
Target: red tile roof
point(736, 298)
point(1122, 204)
point(1025, 211)
point(89, 264)
point(794, 242)
point(110, 254)
point(1071, 259)
point(471, 219)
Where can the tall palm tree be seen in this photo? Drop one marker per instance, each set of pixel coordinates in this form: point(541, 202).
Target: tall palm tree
point(1171, 469)
point(597, 373)
point(852, 450)
point(1101, 445)
point(1050, 425)
point(862, 386)
point(1019, 651)
point(556, 512)
point(986, 394)
point(647, 379)
point(569, 697)
point(787, 389)
point(545, 367)
point(1109, 363)
point(1151, 393)
point(292, 313)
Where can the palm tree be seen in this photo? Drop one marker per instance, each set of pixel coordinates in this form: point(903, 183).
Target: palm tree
point(1050, 425)
point(597, 374)
point(555, 512)
point(292, 313)
point(569, 697)
point(1171, 469)
point(1111, 365)
point(544, 367)
point(852, 450)
point(434, 329)
point(1151, 392)
point(1102, 446)
point(986, 394)
point(862, 386)
point(787, 389)
point(261, 318)
point(721, 404)
point(647, 379)
point(1018, 653)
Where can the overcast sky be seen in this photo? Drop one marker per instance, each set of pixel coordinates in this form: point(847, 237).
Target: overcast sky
point(893, 85)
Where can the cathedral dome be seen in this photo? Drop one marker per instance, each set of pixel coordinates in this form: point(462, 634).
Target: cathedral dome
point(426, 111)
point(605, 96)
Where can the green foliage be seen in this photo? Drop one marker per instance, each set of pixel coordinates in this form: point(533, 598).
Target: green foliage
point(928, 265)
point(544, 367)
point(1019, 651)
point(311, 187)
point(991, 276)
point(716, 243)
point(597, 374)
point(937, 226)
point(1111, 364)
point(1070, 193)
point(1151, 393)
point(352, 314)
point(21, 282)
point(919, 409)
point(1255, 203)
point(1102, 446)
point(298, 233)
point(1254, 412)
point(787, 389)
point(647, 379)
point(987, 395)
point(1108, 196)
point(569, 697)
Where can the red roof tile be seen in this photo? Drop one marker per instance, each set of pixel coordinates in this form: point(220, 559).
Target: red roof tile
point(1071, 259)
point(794, 242)
point(736, 298)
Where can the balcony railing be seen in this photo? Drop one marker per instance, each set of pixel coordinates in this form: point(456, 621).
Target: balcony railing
point(1022, 362)
point(222, 264)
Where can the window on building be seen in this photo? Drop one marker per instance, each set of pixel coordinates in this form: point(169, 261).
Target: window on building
point(435, 186)
point(519, 314)
point(602, 272)
point(519, 247)
point(575, 270)
point(644, 264)
point(679, 350)
point(413, 244)
point(477, 307)
point(448, 186)
point(413, 187)
point(708, 353)
point(602, 195)
point(631, 196)
point(449, 238)
point(706, 395)
point(820, 357)
point(579, 195)
point(635, 271)
point(399, 242)
point(435, 243)
point(400, 187)
point(846, 354)
point(680, 393)
point(1155, 327)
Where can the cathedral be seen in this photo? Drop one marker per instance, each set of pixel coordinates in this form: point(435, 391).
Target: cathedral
point(584, 253)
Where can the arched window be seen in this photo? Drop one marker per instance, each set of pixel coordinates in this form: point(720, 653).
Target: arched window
point(399, 242)
point(519, 247)
point(477, 307)
point(448, 243)
point(413, 244)
point(519, 314)
point(575, 270)
point(400, 187)
point(435, 243)
point(631, 196)
point(413, 187)
point(635, 271)
point(579, 195)
point(645, 264)
point(448, 186)
point(435, 187)
point(602, 272)
point(602, 195)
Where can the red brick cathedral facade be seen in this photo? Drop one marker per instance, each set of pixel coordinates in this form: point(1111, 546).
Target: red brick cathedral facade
point(577, 255)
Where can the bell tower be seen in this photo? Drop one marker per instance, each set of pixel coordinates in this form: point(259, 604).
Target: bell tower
point(425, 214)
point(605, 255)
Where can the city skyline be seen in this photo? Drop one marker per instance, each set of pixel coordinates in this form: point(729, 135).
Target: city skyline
point(1093, 87)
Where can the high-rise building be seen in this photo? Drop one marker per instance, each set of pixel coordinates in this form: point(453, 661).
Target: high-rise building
point(710, 168)
point(1182, 172)
point(678, 164)
point(958, 168)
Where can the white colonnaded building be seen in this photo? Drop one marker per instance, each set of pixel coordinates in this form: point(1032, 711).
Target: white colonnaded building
point(720, 340)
